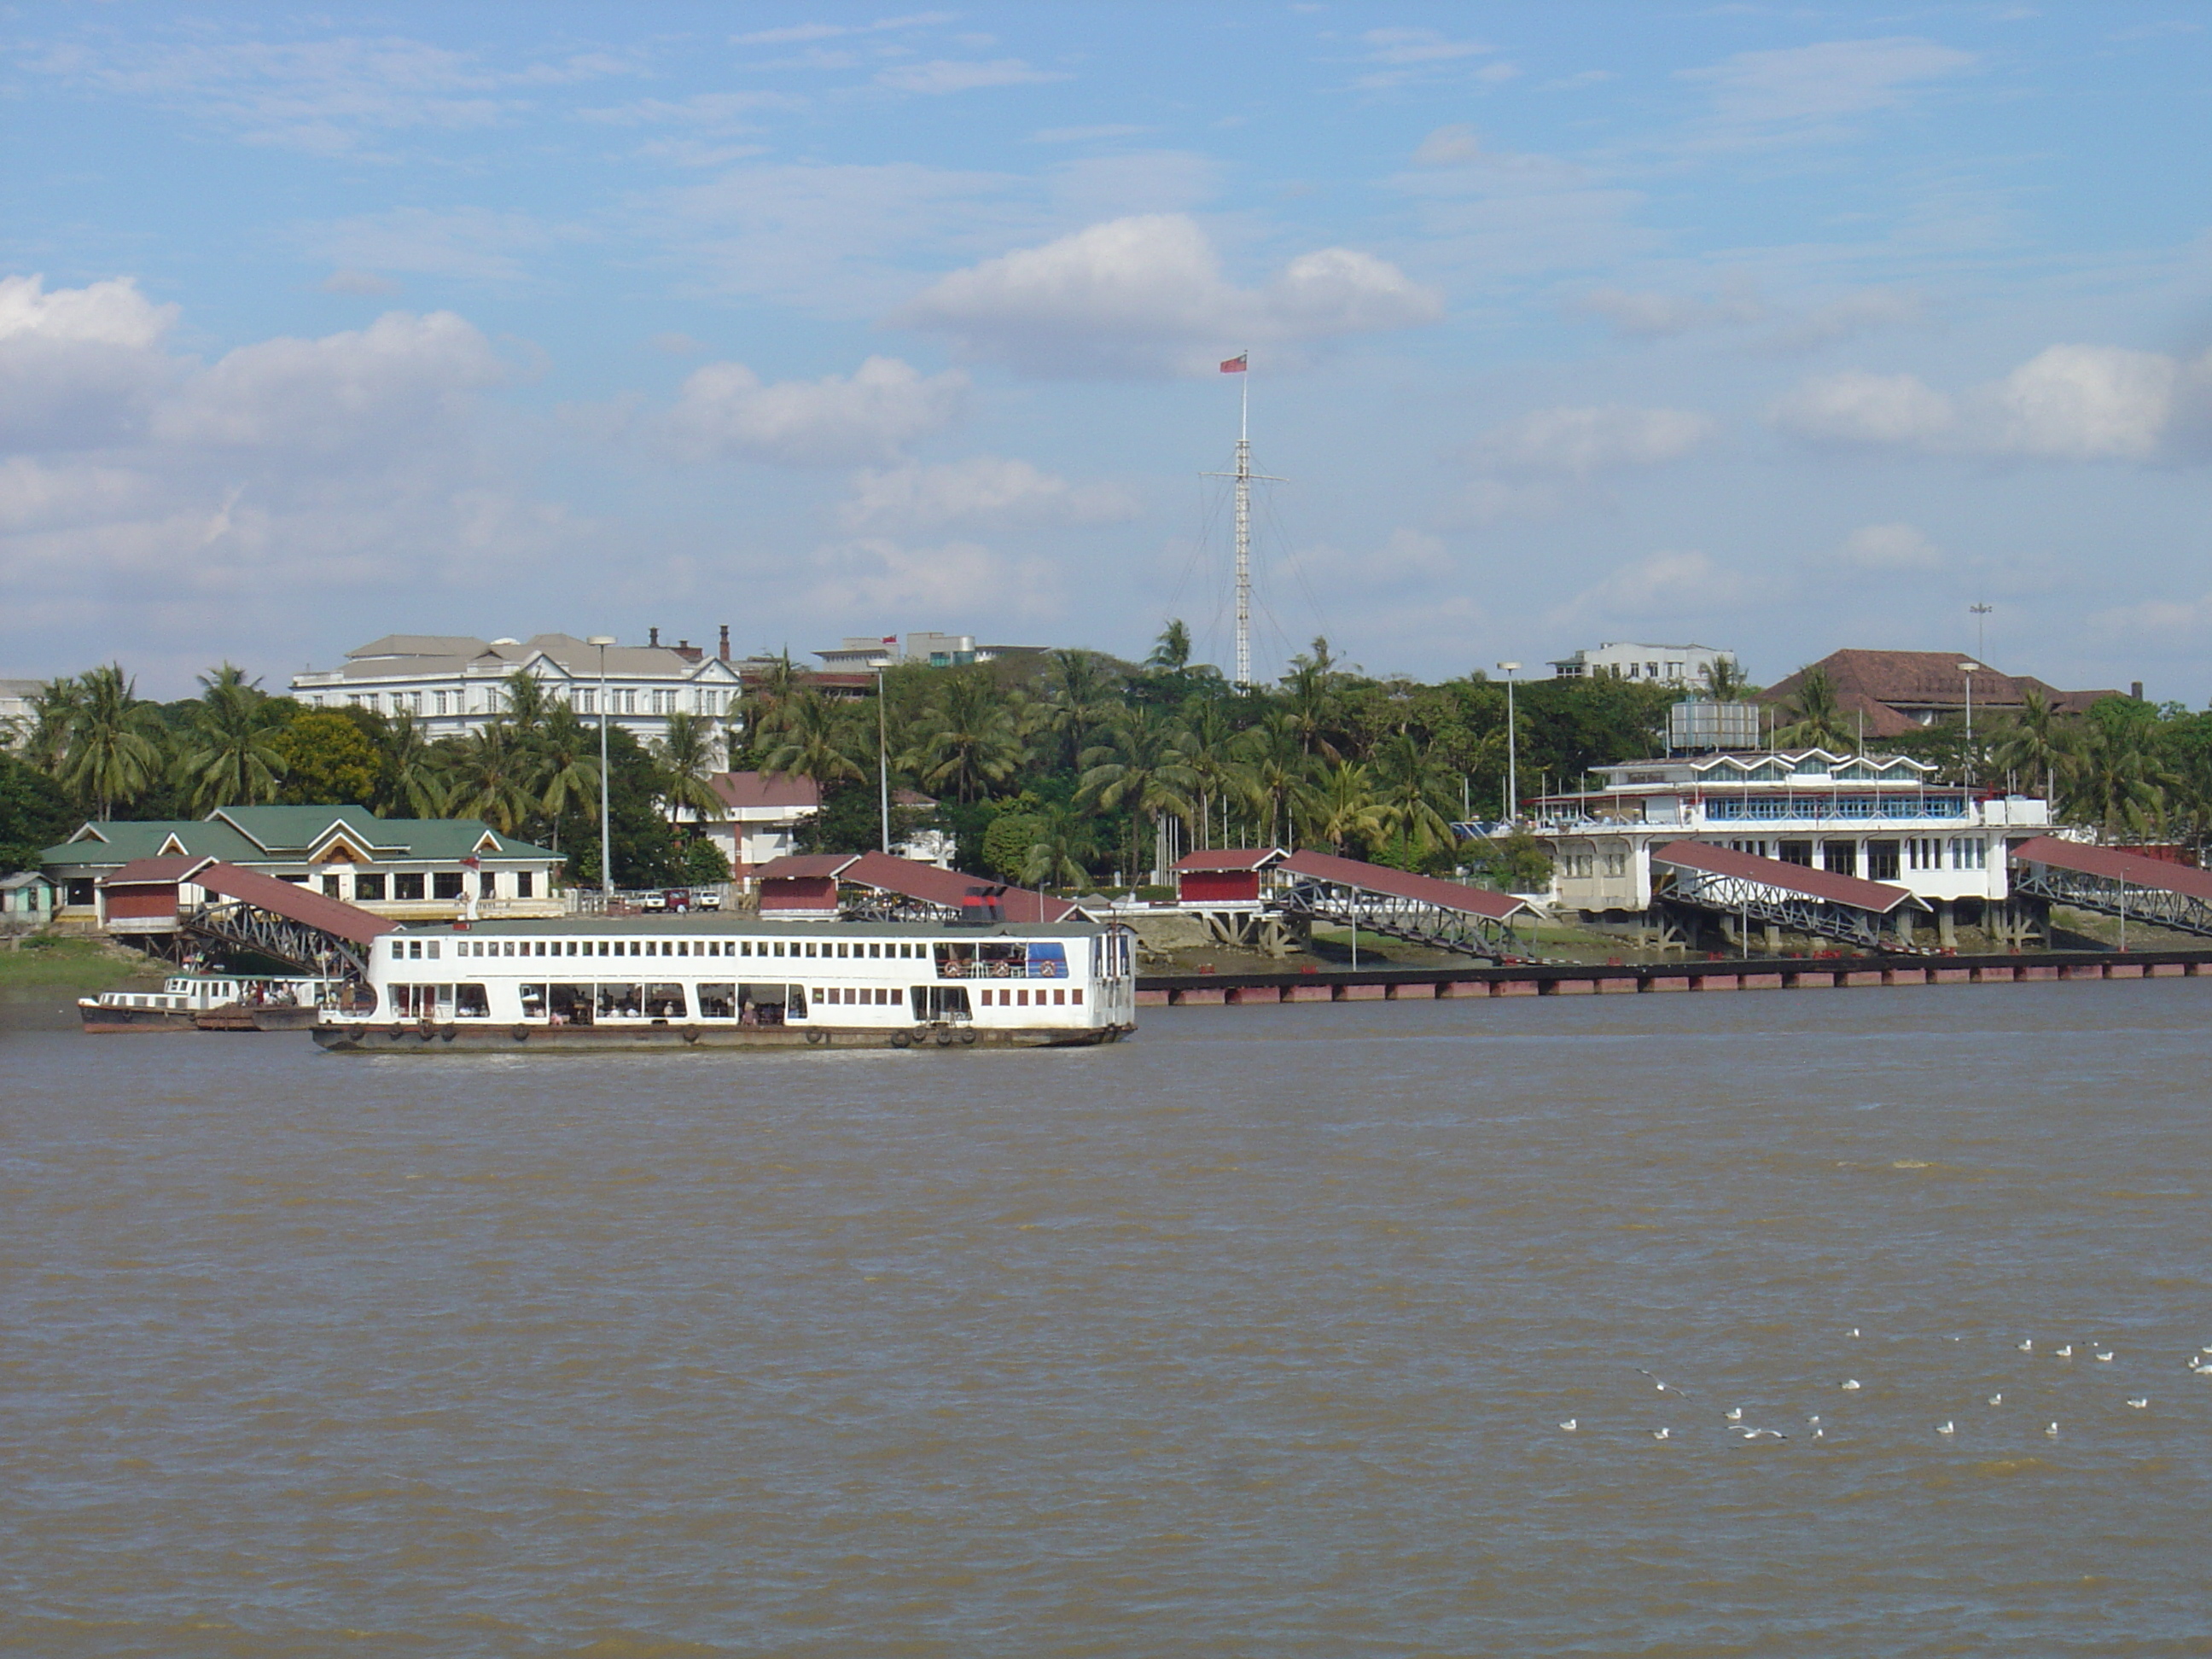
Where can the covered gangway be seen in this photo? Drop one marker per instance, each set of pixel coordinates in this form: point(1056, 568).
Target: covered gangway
point(1816, 903)
point(1444, 915)
point(877, 887)
point(281, 920)
point(2114, 882)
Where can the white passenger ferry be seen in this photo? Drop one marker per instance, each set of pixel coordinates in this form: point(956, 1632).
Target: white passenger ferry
point(712, 982)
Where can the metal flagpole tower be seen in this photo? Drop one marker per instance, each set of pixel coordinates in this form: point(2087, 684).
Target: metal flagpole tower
point(1245, 478)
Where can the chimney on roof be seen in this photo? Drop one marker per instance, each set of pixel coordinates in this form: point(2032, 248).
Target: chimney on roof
point(653, 636)
point(2136, 690)
point(725, 641)
point(688, 651)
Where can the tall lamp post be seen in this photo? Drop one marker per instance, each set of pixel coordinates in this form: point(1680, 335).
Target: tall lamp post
point(1968, 668)
point(606, 811)
point(884, 762)
point(1512, 748)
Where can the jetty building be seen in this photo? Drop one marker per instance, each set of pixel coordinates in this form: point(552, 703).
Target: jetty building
point(1939, 851)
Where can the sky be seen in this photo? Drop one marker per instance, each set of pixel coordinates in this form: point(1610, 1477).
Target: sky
point(1776, 328)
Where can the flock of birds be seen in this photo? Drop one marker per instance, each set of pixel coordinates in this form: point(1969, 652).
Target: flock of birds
point(2199, 1364)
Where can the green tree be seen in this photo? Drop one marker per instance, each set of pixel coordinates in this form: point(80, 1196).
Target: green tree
point(968, 740)
point(1816, 716)
point(1061, 852)
point(689, 756)
point(2118, 784)
point(115, 742)
point(1338, 808)
point(566, 752)
point(409, 777)
point(1513, 863)
point(1006, 843)
point(490, 778)
point(703, 862)
point(645, 854)
point(34, 814)
point(1140, 768)
point(2038, 742)
point(326, 758)
point(816, 740)
point(231, 754)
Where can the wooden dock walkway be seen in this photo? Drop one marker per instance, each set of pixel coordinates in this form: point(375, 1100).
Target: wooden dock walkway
point(1735, 973)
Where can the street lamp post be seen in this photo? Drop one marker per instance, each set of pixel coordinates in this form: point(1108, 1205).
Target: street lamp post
point(883, 762)
point(606, 811)
point(1968, 669)
point(1512, 748)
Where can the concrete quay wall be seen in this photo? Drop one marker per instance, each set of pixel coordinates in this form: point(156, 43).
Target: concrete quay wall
point(1757, 974)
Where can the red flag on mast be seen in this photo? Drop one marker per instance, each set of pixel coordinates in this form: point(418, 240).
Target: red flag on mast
point(1238, 364)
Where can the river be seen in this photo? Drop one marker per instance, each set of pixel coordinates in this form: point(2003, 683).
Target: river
point(1252, 1336)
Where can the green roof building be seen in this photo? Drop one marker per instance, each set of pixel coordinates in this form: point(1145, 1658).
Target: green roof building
point(408, 869)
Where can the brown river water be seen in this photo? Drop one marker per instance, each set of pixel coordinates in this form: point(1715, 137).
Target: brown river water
point(1252, 1336)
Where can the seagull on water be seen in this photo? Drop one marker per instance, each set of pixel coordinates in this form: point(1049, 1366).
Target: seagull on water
point(1855, 1330)
point(1996, 1400)
point(1661, 1434)
point(2103, 1356)
point(2066, 1352)
point(1946, 1426)
point(1813, 1420)
point(2029, 1346)
point(2052, 1432)
point(1849, 1383)
point(1734, 1413)
point(1571, 1424)
point(2140, 1403)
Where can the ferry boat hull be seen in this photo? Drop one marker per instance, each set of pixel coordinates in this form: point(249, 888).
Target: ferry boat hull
point(369, 1039)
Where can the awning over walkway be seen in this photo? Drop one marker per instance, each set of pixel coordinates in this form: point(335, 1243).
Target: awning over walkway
point(2115, 864)
point(926, 883)
point(1399, 885)
point(1224, 860)
point(1876, 898)
point(294, 902)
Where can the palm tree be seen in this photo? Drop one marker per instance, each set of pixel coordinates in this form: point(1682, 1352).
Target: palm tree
point(54, 708)
point(1060, 854)
point(687, 760)
point(1725, 680)
point(817, 742)
point(1341, 809)
point(765, 706)
point(114, 754)
point(568, 766)
point(2119, 782)
point(2036, 743)
point(230, 757)
point(410, 769)
point(969, 740)
point(490, 779)
point(1141, 768)
point(1209, 749)
point(1082, 691)
point(1816, 716)
point(529, 704)
point(1275, 767)
point(1411, 784)
point(1311, 687)
point(1171, 651)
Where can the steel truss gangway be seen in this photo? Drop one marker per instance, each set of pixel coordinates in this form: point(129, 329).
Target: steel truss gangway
point(1443, 915)
point(2113, 882)
point(1816, 903)
point(281, 920)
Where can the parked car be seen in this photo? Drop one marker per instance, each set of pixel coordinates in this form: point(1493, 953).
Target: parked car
point(710, 899)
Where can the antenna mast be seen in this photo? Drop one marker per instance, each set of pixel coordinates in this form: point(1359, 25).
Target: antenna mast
point(1244, 534)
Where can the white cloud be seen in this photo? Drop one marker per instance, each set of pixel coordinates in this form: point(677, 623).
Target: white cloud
point(78, 366)
point(2067, 403)
point(869, 415)
point(1452, 146)
point(800, 33)
point(1855, 407)
point(1577, 442)
point(2087, 402)
point(1800, 92)
point(112, 312)
point(874, 577)
point(471, 244)
point(981, 490)
point(364, 283)
point(1145, 295)
point(1664, 586)
point(1656, 316)
point(1411, 55)
point(944, 75)
point(1890, 546)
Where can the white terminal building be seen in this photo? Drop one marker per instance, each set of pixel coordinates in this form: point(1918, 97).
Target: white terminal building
point(1871, 817)
point(455, 684)
point(1682, 665)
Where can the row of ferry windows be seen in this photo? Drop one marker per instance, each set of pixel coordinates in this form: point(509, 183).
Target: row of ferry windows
point(417, 949)
point(580, 1003)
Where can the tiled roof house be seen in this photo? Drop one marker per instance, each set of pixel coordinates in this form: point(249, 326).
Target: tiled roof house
point(1901, 692)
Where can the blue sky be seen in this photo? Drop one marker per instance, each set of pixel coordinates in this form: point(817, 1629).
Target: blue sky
point(1779, 328)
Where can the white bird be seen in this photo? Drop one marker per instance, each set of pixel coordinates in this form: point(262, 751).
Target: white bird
point(1815, 1419)
point(1661, 1387)
point(1849, 1383)
point(1734, 1413)
point(2052, 1432)
point(2103, 1356)
point(2142, 1403)
point(1763, 1434)
point(1855, 1330)
point(2027, 1346)
point(1820, 1434)
point(1571, 1424)
point(2066, 1352)
point(1996, 1400)
point(1661, 1434)
point(1946, 1427)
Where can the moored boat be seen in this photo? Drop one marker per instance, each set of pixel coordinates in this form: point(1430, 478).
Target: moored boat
point(732, 982)
point(209, 1002)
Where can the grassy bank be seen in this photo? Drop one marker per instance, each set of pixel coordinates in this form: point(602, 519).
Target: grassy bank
point(49, 961)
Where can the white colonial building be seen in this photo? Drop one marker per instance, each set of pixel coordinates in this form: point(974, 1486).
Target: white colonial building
point(1680, 665)
point(1872, 818)
point(453, 684)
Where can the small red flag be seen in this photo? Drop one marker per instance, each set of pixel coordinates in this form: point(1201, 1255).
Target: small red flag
point(890, 638)
point(1238, 364)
